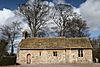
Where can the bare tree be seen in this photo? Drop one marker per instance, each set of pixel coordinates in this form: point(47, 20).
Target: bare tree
point(35, 12)
point(76, 27)
point(69, 23)
point(60, 17)
point(10, 33)
point(96, 48)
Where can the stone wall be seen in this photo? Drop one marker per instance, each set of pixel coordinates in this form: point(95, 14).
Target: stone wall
point(45, 58)
point(63, 56)
point(88, 56)
point(72, 56)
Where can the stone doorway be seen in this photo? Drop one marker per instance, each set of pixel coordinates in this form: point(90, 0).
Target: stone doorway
point(28, 58)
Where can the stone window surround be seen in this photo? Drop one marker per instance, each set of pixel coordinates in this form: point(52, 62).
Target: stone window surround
point(80, 52)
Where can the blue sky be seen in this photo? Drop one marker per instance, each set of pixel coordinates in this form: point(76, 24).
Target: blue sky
point(13, 4)
point(10, 4)
point(75, 3)
point(87, 9)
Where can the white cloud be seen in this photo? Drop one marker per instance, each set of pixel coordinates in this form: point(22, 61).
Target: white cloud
point(90, 11)
point(51, 4)
point(4, 15)
point(7, 17)
point(18, 18)
point(77, 10)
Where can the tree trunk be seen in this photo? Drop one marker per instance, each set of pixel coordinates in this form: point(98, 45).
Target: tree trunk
point(34, 34)
point(12, 49)
point(61, 34)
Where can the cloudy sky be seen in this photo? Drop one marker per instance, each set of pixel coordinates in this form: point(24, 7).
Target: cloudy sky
point(89, 9)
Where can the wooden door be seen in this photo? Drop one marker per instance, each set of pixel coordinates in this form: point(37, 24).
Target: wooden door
point(28, 58)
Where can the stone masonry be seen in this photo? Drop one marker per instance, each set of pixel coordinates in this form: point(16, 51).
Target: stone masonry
point(63, 56)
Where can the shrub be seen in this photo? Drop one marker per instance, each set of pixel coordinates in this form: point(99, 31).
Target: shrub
point(8, 60)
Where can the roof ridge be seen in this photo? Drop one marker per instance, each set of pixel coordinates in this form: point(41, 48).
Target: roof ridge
point(56, 37)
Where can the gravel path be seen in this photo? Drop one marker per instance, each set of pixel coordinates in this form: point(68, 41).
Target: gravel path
point(57, 65)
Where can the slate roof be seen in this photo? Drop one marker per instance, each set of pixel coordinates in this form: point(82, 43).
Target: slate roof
point(55, 43)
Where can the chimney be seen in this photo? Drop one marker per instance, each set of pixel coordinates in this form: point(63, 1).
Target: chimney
point(25, 34)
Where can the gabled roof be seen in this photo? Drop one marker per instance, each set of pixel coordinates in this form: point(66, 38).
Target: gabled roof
point(55, 43)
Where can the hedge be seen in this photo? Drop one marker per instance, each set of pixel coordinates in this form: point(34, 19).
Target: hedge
point(8, 60)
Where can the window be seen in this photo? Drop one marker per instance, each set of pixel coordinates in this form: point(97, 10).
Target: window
point(80, 52)
point(55, 53)
point(40, 53)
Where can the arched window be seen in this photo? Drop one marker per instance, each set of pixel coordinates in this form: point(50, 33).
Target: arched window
point(28, 58)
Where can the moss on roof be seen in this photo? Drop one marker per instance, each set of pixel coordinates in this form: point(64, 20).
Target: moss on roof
point(56, 43)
